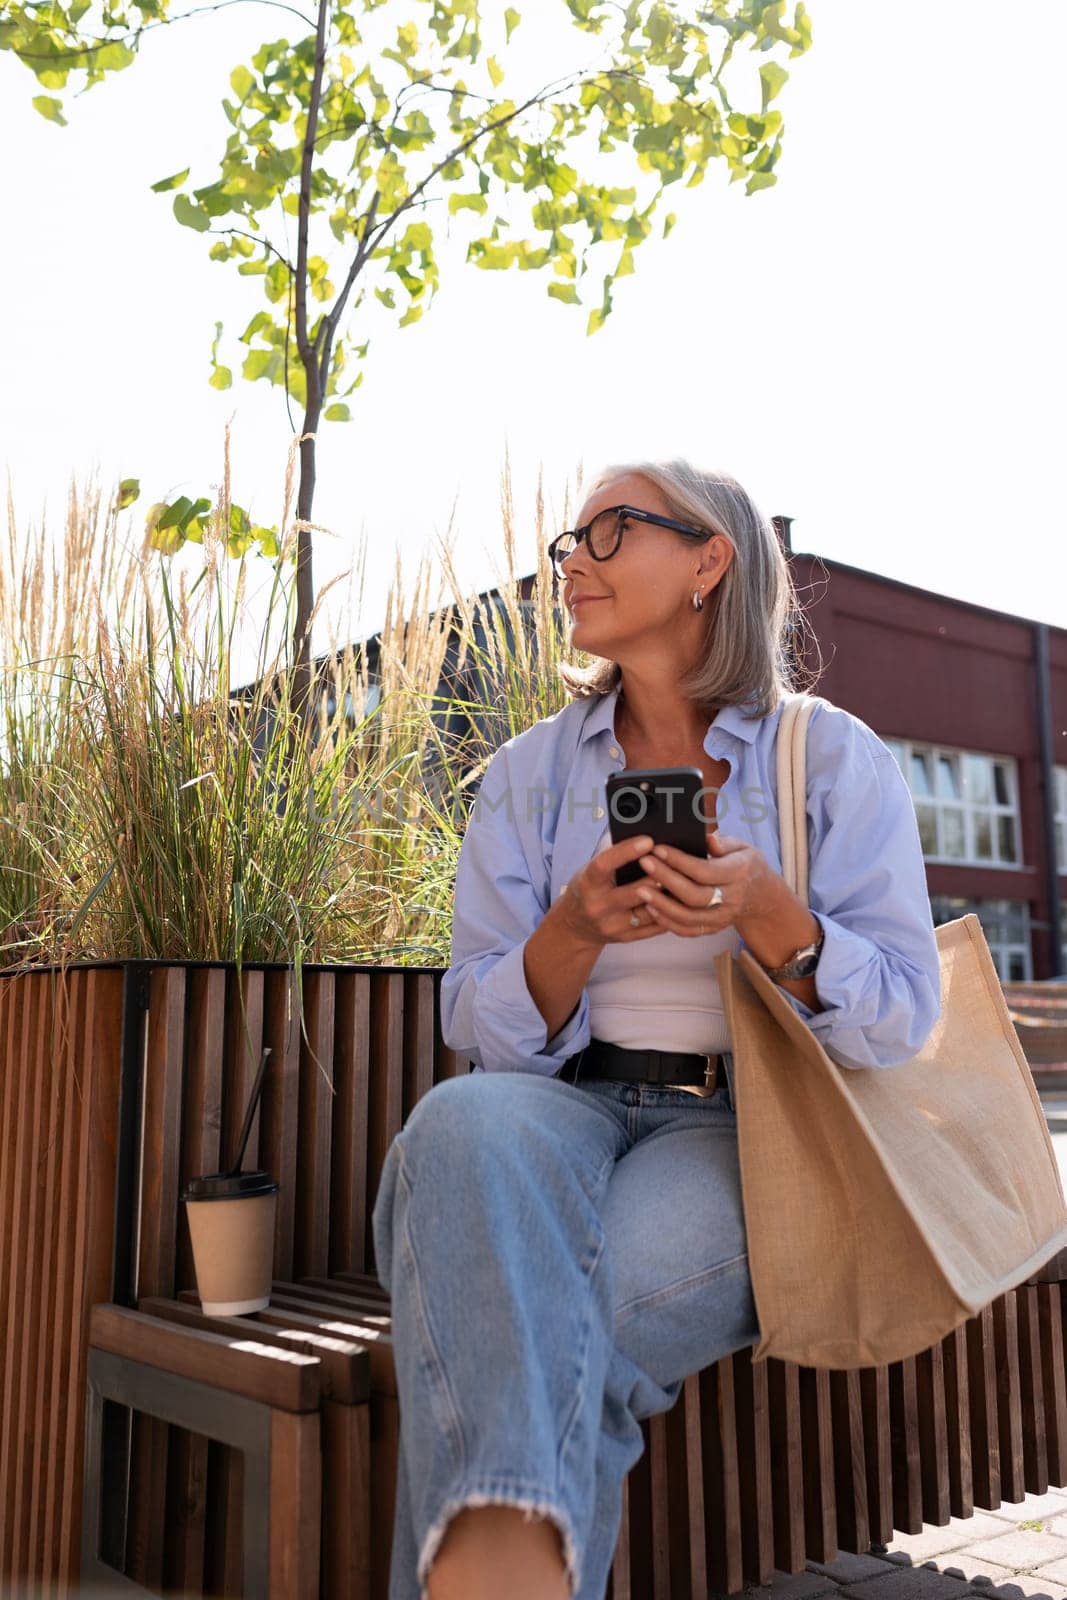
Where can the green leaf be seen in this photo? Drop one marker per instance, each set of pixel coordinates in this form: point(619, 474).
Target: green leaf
point(221, 378)
point(165, 540)
point(566, 292)
point(184, 514)
point(277, 284)
point(129, 489)
point(772, 77)
point(114, 56)
point(511, 21)
point(170, 183)
point(468, 202)
point(496, 71)
point(263, 364)
point(242, 82)
point(190, 216)
point(338, 412)
point(50, 109)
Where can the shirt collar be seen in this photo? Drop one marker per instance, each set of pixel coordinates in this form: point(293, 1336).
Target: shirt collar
point(730, 720)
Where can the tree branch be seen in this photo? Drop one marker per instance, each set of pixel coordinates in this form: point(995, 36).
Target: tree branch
point(329, 324)
point(255, 240)
point(136, 34)
point(461, 149)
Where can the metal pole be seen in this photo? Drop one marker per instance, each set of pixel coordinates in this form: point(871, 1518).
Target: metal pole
point(1048, 797)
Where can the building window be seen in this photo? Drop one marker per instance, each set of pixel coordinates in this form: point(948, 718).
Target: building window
point(1059, 816)
point(966, 802)
point(1006, 925)
point(352, 714)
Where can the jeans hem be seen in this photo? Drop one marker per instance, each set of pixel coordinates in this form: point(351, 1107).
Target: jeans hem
point(536, 1506)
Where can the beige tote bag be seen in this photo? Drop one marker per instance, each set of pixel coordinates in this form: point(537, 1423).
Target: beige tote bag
point(883, 1205)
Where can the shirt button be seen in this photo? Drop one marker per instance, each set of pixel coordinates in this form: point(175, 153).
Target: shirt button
point(614, 751)
point(599, 812)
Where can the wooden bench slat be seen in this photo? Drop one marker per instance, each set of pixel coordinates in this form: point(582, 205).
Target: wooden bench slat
point(345, 1364)
point(290, 1381)
point(958, 1422)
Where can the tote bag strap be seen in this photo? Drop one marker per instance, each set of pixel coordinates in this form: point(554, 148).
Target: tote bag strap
point(791, 752)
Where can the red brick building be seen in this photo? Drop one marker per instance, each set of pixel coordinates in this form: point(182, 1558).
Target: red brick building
point(973, 704)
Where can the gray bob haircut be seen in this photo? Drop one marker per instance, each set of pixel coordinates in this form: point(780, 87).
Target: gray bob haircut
point(750, 614)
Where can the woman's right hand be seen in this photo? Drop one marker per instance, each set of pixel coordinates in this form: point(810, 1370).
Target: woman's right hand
point(595, 910)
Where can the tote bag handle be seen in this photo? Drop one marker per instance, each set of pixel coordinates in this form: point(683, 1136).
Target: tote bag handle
point(791, 757)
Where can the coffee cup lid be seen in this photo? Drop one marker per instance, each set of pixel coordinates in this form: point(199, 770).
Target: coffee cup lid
point(227, 1186)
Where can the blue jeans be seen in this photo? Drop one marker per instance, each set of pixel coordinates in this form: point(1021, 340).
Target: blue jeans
point(560, 1258)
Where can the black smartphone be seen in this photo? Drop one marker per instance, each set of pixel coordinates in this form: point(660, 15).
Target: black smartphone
point(666, 803)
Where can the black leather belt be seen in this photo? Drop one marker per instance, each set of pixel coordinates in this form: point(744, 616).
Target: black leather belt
point(600, 1059)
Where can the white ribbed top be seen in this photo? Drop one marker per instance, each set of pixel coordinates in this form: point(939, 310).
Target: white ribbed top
point(662, 993)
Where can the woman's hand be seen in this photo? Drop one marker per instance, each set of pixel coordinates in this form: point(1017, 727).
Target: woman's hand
point(595, 910)
point(742, 872)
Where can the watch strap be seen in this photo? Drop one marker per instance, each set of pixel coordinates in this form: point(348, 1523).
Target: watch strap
point(802, 963)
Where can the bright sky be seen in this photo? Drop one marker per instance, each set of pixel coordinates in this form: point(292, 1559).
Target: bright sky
point(875, 346)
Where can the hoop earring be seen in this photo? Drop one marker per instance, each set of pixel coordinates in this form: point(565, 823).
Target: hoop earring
point(698, 600)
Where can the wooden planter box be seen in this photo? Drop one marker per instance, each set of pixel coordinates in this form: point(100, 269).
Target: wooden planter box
point(120, 1081)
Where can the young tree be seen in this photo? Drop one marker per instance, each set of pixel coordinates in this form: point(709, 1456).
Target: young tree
point(350, 144)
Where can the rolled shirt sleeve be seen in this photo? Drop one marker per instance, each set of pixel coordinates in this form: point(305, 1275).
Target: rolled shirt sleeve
point(879, 975)
point(487, 1010)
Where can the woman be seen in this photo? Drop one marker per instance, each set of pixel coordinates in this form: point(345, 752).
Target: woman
point(562, 1230)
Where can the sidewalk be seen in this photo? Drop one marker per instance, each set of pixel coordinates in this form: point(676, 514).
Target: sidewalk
point(1018, 1550)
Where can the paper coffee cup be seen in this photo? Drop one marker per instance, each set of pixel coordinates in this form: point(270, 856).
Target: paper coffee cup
point(231, 1224)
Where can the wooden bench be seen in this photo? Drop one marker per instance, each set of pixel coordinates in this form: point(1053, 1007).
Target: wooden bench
point(119, 1084)
point(756, 1468)
point(261, 1401)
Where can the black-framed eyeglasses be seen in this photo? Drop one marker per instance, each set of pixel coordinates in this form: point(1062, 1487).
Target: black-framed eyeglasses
point(603, 534)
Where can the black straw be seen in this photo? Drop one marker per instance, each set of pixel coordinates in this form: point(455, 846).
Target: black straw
point(250, 1113)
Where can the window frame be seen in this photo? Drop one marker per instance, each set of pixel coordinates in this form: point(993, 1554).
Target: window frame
point(948, 907)
point(904, 752)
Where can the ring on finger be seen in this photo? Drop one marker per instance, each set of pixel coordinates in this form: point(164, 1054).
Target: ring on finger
point(716, 896)
point(635, 920)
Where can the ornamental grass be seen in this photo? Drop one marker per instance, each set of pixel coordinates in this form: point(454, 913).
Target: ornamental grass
point(157, 802)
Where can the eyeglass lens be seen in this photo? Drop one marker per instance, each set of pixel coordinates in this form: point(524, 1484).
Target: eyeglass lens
point(603, 533)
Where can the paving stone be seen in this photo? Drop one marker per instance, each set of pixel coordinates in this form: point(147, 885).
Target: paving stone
point(909, 1583)
point(792, 1586)
point(1057, 1525)
point(1020, 1548)
point(849, 1567)
point(1035, 1505)
point(1055, 1572)
point(996, 1582)
point(1016, 1586)
point(952, 1535)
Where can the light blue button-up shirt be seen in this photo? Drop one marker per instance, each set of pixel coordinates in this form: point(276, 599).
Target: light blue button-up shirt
point(539, 815)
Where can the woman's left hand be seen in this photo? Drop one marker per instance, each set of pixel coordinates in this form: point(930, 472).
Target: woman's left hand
point(744, 874)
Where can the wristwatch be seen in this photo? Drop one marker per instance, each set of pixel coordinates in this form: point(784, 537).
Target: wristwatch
point(801, 964)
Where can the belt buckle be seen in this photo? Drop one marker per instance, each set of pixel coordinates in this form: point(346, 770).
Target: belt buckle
point(711, 1070)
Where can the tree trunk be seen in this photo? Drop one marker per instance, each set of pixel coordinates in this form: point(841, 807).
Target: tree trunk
point(305, 586)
